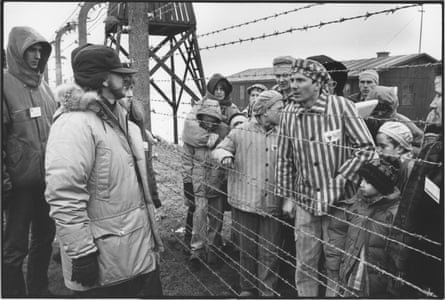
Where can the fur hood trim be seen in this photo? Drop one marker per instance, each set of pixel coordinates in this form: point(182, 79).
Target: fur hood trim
point(73, 98)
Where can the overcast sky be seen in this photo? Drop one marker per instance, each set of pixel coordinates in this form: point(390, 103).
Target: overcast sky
point(397, 33)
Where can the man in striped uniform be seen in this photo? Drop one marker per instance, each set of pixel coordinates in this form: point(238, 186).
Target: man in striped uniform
point(322, 143)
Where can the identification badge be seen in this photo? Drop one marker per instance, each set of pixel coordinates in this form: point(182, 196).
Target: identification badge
point(432, 190)
point(35, 112)
point(145, 145)
point(332, 136)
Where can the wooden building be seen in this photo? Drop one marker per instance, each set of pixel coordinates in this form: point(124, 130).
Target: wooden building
point(415, 84)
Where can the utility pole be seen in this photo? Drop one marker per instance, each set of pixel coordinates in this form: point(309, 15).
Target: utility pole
point(82, 20)
point(138, 19)
point(421, 27)
point(59, 33)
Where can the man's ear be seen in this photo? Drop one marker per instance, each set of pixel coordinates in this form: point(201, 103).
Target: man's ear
point(317, 86)
point(105, 83)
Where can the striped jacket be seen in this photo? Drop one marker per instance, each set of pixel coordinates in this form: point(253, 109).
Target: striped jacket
point(320, 149)
point(252, 180)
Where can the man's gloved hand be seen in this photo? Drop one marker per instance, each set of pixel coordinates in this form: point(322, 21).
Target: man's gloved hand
point(86, 269)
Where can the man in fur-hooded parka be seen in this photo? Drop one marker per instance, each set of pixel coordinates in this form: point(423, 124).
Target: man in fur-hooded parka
point(97, 185)
point(27, 107)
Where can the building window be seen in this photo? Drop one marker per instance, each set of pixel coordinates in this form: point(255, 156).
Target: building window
point(241, 92)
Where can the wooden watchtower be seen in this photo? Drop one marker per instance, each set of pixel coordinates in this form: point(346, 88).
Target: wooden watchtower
point(176, 23)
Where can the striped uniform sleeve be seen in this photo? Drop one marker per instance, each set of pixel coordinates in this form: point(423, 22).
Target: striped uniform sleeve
point(359, 138)
point(285, 167)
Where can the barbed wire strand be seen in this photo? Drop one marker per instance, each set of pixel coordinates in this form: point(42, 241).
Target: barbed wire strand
point(258, 20)
point(349, 148)
point(419, 122)
point(182, 154)
point(208, 267)
point(306, 27)
point(280, 258)
point(211, 164)
point(175, 258)
point(377, 268)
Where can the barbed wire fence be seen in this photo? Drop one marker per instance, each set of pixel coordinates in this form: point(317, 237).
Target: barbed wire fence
point(178, 155)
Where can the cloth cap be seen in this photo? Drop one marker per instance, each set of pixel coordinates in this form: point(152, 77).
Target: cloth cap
point(388, 100)
point(369, 74)
point(398, 132)
point(311, 69)
point(92, 64)
point(381, 173)
point(283, 64)
point(265, 101)
point(211, 108)
point(258, 86)
point(237, 118)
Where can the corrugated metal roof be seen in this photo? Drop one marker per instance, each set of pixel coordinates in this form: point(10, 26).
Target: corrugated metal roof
point(355, 64)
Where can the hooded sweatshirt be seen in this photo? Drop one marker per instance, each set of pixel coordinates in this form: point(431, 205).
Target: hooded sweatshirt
point(387, 110)
point(25, 130)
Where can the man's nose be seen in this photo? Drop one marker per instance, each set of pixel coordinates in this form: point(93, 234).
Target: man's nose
point(38, 55)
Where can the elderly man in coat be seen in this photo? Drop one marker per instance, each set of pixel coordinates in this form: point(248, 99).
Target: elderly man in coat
point(27, 106)
point(97, 184)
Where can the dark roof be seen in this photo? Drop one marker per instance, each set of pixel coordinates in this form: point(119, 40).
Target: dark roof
point(265, 74)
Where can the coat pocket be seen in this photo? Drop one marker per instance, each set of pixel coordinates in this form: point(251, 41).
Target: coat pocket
point(125, 243)
point(103, 164)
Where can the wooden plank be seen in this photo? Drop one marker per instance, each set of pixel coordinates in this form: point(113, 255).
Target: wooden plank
point(167, 55)
point(175, 77)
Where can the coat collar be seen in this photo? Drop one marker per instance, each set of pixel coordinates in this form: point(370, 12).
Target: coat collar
point(318, 107)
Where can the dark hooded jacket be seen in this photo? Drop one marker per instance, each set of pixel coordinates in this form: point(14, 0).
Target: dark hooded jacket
point(386, 110)
point(366, 216)
point(227, 107)
point(192, 133)
point(25, 137)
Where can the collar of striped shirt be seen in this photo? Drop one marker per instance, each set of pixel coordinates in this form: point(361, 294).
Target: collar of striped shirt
point(319, 106)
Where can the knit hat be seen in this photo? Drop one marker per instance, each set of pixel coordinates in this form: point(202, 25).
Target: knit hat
point(399, 132)
point(265, 101)
point(92, 64)
point(283, 63)
point(237, 118)
point(258, 86)
point(382, 174)
point(311, 69)
point(211, 108)
point(369, 74)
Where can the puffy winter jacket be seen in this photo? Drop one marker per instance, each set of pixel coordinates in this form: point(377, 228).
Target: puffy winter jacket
point(198, 166)
point(25, 136)
point(359, 236)
point(95, 196)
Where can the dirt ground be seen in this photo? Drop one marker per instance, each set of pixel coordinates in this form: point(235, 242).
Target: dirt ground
point(179, 277)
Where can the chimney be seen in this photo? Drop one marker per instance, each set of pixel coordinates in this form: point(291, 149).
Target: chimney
point(383, 54)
